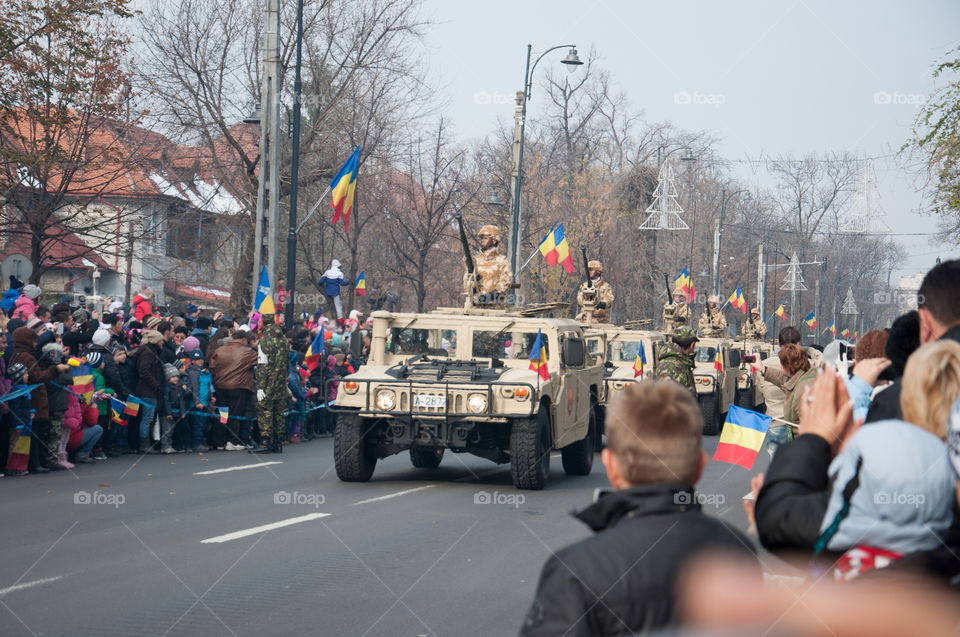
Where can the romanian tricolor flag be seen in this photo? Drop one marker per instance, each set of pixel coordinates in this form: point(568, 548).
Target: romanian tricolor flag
point(718, 361)
point(781, 313)
point(736, 300)
point(555, 250)
point(263, 302)
point(116, 411)
point(832, 329)
point(640, 362)
point(811, 321)
point(73, 361)
point(132, 406)
point(224, 414)
point(856, 335)
point(538, 357)
point(360, 287)
point(742, 437)
point(343, 186)
point(312, 357)
point(83, 381)
point(685, 283)
point(845, 333)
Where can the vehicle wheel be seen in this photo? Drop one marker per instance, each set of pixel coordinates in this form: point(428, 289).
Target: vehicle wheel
point(578, 457)
point(530, 451)
point(710, 408)
point(352, 456)
point(426, 457)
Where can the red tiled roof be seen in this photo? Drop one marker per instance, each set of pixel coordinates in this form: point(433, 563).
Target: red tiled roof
point(61, 249)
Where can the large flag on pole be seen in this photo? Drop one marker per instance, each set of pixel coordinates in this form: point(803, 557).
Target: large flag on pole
point(781, 313)
point(343, 186)
point(742, 437)
point(263, 302)
point(555, 249)
point(811, 321)
point(360, 287)
point(639, 362)
point(538, 357)
point(685, 283)
point(736, 300)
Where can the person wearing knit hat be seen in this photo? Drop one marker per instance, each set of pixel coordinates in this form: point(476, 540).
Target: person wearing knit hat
point(94, 359)
point(31, 291)
point(53, 351)
point(151, 337)
point(172, 417)
point(152, 322)
point(101, 337)
point(26, 304)
point(190, 344)
point(36, 325)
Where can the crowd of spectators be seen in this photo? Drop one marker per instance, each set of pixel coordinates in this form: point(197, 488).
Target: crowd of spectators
point(163, 381)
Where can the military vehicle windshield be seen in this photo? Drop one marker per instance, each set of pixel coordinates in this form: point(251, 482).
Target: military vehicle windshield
point(623, 351)
point(510, 344)
point(705, 354)
point(432, 342)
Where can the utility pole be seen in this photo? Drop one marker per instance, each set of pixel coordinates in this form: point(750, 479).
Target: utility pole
point(761, 282)
point(268, 186)
point(518, 114)
point(294, 177)
point(718, 234)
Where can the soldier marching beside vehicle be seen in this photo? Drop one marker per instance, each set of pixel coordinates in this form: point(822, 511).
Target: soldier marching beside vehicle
point(675, 357)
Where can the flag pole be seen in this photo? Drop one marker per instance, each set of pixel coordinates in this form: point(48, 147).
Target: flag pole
point(314, 209)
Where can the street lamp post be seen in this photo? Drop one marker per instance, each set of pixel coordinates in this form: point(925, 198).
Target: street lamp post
point(294, 176)
point(572, 60)
point(717, 235)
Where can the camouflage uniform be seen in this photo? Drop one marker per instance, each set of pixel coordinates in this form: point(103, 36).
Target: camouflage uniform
point(673, 363)
point(712, 321)
point(675, 313)
point(754, 327)
point(603, 300)
point(493, 269)
point(272, 380)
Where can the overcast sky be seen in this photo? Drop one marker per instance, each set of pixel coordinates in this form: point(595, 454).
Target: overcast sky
point(766, 77)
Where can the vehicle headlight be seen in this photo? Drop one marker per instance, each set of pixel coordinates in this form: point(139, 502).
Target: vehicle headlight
point(386, 400)
point(477, 403)
point(618, 384)
point(351, 386)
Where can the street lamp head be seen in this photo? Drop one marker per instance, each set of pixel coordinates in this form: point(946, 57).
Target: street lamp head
point(254, 116)
point(688, 156)
point(493, 199)
point(572, 60)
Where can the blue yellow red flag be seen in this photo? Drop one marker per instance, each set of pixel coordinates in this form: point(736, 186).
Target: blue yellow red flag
point(83, 381)
point(538, 357)
point(736, 300)
point(116, 410)
point(312, 357)
point(555, 249)
point(811, 320)
point(360, 287)
point(224, 414)
point(132, 406)
point(742, 437)
point(639, 362)
point(343, 186)
point(718, 361)
point(781, 313)
point(832, 329)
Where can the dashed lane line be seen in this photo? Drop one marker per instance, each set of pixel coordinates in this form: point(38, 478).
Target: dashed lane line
point(236, 535)
point(20, 587)
point(239, 468)
point(393, 495)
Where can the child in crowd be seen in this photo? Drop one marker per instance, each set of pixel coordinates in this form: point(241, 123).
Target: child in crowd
point(297, 411)
point(172, 408)
point(200, 387)
point(20, 419)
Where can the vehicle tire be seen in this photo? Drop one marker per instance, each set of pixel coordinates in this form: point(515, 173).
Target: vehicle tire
point(352, 456)
point(578, 457)
point(426, 457)
point(530, 448)
point(710, 408)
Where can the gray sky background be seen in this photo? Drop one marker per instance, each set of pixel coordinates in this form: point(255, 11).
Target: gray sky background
point(793, 76)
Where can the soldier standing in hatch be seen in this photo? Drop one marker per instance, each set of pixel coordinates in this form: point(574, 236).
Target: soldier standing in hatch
point(493, 269)
point(272, 393)
point(712, 321)
point(755, 327)
point(677, 312)
point(604, 296)
point(675, 357)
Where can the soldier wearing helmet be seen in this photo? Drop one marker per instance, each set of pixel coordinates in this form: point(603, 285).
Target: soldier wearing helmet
point(676, 312)
point(601, 291)
point(493, 268)
point(712, 321)
point(754, 327)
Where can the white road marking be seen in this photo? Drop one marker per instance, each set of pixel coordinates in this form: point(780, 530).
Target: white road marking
point(236, 535)
point(393, 495)
point(240, 468)
point(20, 587)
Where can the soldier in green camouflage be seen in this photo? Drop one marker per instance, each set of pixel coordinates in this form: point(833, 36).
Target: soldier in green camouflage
point(675, 357)
point(272, 393)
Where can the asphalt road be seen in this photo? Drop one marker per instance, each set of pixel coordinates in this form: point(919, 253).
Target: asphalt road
point(157, 545)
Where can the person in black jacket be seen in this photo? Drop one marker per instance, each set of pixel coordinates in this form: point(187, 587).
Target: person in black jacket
point(622, 580)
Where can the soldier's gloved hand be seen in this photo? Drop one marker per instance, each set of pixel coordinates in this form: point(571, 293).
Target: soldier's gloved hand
point(261, 395)
point(602, 305)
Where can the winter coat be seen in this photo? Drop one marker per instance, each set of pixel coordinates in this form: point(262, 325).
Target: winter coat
point(793, 388)
point(72, 417)
point(176, 399)
point(659, 527)
point(9, 300)
point(111, 373)
point(293, 384)
point(5, 384)
point(141, 307)
point(168, 352)
point(330, 375)
point(332, 280)
point(57, 389)
point(149, 372)
point(24, 307)
point(232, 366)
point(99, 384)
point(200, 384)
point(20, 408)
point(24, 348)
point(128, 374)
point(674, 364)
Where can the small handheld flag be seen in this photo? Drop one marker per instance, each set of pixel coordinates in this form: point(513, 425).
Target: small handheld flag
point(132, 406)
point(312, 357)
point(736, 300)
point(343, 186)
point(538, 357)
point(263, 303)
point(781, 313)
point(640, 362)
point(83, 381)
point(718, 361)
point(742, 437)
point(555, 249)
point(224, 414)
point(360, 287)
point(811, 321)
point(856, 335)
point(845, 333)
point(116, 411)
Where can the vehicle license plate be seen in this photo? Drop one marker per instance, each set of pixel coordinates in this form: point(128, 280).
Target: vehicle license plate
point(430, 401)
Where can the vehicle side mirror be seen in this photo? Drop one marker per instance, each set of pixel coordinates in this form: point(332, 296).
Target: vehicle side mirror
point(573, 353)
point(735, 358)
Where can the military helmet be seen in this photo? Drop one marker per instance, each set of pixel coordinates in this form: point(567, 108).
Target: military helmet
point(713, 298)
point(754, 311)
point(489, 230)
point(680, 293)
point(684, 334)
point(595, 265)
